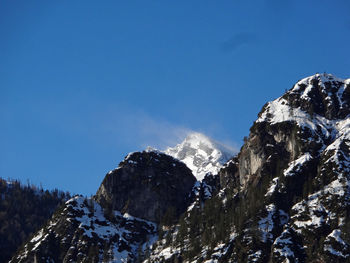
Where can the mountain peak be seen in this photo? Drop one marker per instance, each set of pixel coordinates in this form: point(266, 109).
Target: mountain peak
point(321, 96)
point(201, 154)
point(323, 77)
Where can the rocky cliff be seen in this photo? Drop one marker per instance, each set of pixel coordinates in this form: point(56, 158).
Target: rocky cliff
point(146, 185)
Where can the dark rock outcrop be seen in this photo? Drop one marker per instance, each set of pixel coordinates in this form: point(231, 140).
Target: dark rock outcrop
point(321, 94)
point(146, 185)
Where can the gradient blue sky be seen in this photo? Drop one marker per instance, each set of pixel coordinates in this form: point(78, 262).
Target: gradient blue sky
point(82, 83)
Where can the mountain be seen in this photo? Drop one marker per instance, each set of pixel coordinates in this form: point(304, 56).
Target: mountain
point(201, 154)
point(284, 198)
point(121, 221)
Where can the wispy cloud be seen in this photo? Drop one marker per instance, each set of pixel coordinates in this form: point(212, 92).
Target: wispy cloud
point(139, 129)
point(124, 127)
point(238, 40)
point(162, 134)
point(159, 133)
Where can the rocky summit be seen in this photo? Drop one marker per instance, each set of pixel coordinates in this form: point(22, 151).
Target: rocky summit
point(285, 197)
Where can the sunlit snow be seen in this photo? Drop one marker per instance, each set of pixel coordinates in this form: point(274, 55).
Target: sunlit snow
point(201, 154)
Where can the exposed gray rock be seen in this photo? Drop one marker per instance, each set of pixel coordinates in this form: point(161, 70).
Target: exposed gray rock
point(146, 185)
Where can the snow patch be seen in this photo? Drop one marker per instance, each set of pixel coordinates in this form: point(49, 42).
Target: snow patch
point(297, 164)
point(266, 224)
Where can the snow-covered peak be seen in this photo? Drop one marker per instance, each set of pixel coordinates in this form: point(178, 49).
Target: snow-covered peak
point(326, 84)
point(323, 78)
point(318, 97)
point(201, 154)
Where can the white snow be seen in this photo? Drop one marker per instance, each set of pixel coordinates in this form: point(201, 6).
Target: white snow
point(323, 78)
point(295, 165)
point(201, 154)
point(278, 111)
point(91, 221)
point(266, 224)
point(38, 236)
point(255, 256)
point(331, 250)
point(273, 186)
point(282, 246)
point(166, 253)
point(317, 212)
point(119, 256)
point(336, 235)
point(285, 251)
point(106, 230)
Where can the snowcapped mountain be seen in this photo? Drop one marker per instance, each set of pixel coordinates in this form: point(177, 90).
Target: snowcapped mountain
point(201, 154)
point(284, 198)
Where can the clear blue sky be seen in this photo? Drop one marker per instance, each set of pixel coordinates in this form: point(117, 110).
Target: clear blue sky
point(82, 83)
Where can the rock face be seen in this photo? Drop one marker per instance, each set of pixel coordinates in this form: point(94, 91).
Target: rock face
point(201, 154)
point(146, 185)
point(323, 95)
point(304, 120)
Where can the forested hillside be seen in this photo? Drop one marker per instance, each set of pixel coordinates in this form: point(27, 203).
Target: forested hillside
point(23, 210)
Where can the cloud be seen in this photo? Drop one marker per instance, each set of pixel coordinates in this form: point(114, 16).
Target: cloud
point(238, 40)
point(233, 146)
point(159, 133)
point(139, 130)
point(119, 126)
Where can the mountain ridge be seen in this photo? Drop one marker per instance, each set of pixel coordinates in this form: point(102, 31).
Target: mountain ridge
point(284, 198)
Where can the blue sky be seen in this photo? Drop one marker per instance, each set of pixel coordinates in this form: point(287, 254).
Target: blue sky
point(82, 83)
